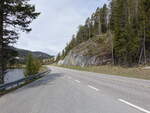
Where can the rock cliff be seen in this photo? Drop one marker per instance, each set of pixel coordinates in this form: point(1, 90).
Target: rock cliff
point(96, 51)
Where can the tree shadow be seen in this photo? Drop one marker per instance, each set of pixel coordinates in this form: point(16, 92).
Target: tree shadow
point(48, 79)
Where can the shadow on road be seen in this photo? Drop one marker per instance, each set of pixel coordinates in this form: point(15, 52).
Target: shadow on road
point(48, 79)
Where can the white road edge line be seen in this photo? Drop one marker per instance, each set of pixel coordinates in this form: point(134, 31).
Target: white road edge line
point(77, 81)
point(134, 106)
point(93, 87)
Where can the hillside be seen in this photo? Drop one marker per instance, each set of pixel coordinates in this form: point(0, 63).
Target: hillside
point(95, 51)
point(128, 27)
point(24, 53)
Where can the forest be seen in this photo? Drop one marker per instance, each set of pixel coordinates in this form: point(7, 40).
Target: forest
point(128, 24)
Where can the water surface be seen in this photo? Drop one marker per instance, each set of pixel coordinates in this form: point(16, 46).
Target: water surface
point(13, 75)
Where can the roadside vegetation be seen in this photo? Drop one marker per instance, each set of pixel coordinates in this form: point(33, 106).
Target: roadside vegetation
point(134, 72)
point(33, 66)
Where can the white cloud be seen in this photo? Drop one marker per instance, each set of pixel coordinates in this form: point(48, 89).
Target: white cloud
point(59, 19)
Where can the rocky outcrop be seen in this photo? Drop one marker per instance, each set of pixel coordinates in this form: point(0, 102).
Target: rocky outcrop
point(80, 60)
point(92, 52)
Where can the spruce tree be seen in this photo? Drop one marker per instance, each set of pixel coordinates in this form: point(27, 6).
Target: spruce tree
point(119, 32)
point(103, 18)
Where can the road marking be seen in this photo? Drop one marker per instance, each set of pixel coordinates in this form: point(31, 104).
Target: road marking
point(77, 81)
point(93, 87)
point(134, 106)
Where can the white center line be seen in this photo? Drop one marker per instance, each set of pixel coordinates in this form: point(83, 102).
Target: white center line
point(93, 87)
point(77, 81)
point(134, 106)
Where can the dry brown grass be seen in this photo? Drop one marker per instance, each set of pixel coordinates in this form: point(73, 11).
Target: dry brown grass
point(136, 72)
point(43, 68)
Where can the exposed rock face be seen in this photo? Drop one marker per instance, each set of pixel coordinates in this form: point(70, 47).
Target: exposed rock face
point(60, 62)
point(80, 60)
point(92, 52)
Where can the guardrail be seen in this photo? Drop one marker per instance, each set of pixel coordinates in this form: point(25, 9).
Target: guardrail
point(17, 83)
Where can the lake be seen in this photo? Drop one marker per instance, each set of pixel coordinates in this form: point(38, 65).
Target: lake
point(13, 75)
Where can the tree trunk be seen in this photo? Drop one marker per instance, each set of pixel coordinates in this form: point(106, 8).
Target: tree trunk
point(144, 44)
point(112, 49)
point(140, 58)
point(99, 25)
point(2, 63)
point(112, 43)
point(89, 31)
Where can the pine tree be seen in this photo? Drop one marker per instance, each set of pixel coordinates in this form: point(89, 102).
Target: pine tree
point(113, 8)
point(103, 18)
point(144, 30)
point(88, 24)
point(15, 15)
point(97, 22)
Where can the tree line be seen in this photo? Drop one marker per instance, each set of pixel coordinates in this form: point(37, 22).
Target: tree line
point(128, 24)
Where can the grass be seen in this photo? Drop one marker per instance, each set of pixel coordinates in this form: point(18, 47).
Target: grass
point(43, 68)
point(135, 72)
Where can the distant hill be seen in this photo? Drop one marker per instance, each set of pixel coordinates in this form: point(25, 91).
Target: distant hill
point(24, 53)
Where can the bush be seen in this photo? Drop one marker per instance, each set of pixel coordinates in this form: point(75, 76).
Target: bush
point(33, 65)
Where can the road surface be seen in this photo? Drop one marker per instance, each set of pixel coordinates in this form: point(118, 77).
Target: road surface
point(71, 91)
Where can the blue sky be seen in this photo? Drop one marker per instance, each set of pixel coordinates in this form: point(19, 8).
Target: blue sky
point(58, 21)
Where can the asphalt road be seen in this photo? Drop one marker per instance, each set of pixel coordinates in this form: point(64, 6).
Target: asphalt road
point(71, 91)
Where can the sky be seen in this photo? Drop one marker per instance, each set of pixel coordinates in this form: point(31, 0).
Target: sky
point(58, 21)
